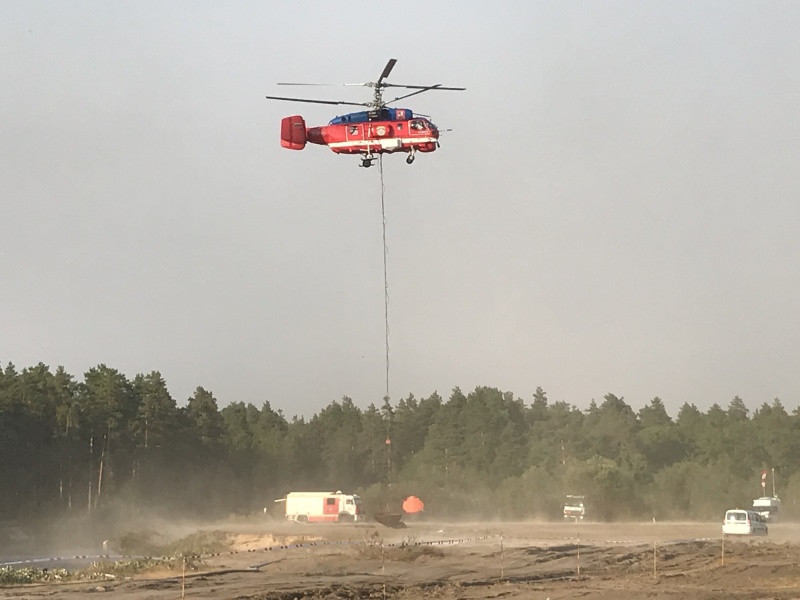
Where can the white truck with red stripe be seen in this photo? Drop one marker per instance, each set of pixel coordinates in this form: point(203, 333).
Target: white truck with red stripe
point(322, 507)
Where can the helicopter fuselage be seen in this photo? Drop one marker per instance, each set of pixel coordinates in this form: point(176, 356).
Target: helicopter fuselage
point(368, 132)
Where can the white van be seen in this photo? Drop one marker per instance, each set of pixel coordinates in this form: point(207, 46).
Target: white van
point(744, 522)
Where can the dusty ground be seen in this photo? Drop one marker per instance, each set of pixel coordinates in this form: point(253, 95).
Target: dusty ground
point(472, 561)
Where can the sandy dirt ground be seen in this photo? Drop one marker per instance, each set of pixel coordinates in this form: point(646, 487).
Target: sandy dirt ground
point(285, 561)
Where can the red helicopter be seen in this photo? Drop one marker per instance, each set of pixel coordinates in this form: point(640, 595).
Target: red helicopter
point(379, 130)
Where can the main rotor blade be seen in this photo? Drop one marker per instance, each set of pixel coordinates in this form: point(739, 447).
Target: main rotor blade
point(315, 101)
point(328, 84)
point(424, 87)
point(387, 69)
point(432, 87)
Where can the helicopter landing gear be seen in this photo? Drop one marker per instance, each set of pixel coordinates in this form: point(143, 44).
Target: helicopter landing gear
point(366, 161)
point(410, 158)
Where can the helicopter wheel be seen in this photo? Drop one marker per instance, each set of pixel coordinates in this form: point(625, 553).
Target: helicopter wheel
point(410, 158)
point(366, 162)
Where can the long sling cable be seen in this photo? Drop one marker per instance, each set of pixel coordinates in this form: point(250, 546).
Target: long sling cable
point(385, 275)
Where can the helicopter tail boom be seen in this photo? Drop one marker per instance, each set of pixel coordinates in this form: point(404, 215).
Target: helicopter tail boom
point(293, 132)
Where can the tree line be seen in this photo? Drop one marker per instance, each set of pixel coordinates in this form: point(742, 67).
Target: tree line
point(107, 442)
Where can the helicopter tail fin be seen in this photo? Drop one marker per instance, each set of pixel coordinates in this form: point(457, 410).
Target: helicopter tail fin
point(293, 132)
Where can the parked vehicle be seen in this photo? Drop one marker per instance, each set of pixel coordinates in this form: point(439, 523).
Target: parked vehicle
point(768, 507)
point(744, 522)
point(322, 507)
point(574, 508)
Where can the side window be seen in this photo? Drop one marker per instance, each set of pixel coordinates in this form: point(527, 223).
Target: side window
point(349, 502)
point(330, 501)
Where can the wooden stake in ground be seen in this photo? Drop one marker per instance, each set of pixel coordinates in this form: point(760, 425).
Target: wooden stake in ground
point(654, 559)
point(383, 569)
point(502, 565)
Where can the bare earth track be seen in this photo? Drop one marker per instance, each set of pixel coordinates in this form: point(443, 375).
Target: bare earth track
point(281, 561)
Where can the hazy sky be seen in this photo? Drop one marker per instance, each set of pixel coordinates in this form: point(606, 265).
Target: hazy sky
point(615, 210)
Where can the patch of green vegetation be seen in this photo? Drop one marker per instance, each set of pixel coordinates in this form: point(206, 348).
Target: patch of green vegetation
point(13, 576)
point(97, 571)
point(201, 542)
point(128, 568)
point(185, 553)
point(150, 543)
